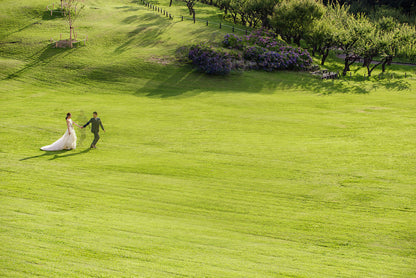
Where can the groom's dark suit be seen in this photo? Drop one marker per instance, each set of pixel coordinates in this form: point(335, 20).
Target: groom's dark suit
point(95, 128)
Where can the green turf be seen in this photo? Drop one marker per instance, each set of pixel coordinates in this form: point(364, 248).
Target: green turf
point(251, 175)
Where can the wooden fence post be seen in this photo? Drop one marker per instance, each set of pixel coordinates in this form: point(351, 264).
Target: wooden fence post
point(233, 28)
point(182, 18)
point(207, 22)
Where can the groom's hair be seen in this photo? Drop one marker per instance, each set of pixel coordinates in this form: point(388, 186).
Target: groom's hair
point(95, 113)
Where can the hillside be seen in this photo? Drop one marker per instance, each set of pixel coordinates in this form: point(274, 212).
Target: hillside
point(254, 174)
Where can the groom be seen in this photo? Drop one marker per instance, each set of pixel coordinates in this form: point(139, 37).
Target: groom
point(95, 128)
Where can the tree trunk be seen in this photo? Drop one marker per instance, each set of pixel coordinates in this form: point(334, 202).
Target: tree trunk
point(383, 66)
point(370, 69)
point(170, 3)
point(70, 36)
point(348, 62)
point(70, 28)
point(387, 61)
point(324, 56)
point(234, 18)
point(62, 4)
point(243, 20)
point(296, 40)
point(265, 22)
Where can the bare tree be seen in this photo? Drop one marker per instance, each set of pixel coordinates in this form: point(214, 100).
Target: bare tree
point(190, 4)
point(72, 9)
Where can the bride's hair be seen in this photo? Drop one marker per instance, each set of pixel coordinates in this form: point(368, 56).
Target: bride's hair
point(67, 115)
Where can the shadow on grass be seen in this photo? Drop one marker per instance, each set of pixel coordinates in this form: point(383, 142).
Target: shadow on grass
point(144, 35)
point(44, 55)
point(55, 14)
point(56, 155)
point(22, 28)
point(185, 80)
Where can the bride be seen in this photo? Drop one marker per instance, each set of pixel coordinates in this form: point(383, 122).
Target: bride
point(68, 141)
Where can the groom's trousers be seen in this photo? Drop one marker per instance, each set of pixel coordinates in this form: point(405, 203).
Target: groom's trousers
point(96, 138)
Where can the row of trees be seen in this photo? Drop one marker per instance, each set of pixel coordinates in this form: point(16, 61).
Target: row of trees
point(323, 27)
point(405, 6)
point(335, 27)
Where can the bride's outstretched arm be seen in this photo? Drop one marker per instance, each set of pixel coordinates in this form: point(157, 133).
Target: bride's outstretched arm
point(77, 125)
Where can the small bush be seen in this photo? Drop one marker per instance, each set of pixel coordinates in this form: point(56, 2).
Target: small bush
point(209, 60)
point(233, 41)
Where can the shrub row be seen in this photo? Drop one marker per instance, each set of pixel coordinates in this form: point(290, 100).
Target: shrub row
point(259, 50)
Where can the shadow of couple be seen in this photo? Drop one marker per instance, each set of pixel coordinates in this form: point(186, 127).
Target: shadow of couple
point(57, 154)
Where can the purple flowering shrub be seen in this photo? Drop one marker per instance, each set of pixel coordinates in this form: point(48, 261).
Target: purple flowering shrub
point(253, 53)
point(209, 60)
point(262, 37)
point(285, 58)
point(233, 41)
point(261, 49)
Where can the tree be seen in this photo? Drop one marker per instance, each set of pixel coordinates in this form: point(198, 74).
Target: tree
point(321, 38)
point(401, 37)
point(72, 9)
point(350, 29)
point(293, 19)
point(261, 10)
point(373, 44)
point(407, 6)
point(190, 5)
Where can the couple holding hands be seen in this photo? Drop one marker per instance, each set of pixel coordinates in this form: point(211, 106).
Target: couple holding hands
point(69, 140)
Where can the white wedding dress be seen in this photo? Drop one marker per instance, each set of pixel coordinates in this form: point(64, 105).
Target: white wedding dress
point(66, 142)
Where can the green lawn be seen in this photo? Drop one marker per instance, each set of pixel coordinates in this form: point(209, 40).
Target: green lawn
point(251, 175)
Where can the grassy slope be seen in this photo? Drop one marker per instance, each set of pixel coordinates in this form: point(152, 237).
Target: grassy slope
point(255, 174)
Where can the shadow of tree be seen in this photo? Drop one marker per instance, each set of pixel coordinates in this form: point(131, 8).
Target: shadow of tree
point(144, 35)
point(186, 80)
point(22, 28)
point(172, 81)
point(44, 56)
point(127, 8)
point(46, 15)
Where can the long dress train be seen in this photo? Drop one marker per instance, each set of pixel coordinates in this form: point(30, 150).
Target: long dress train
point(66, 142)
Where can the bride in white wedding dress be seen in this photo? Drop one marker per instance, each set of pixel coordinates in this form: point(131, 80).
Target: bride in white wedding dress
point(68, 141)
